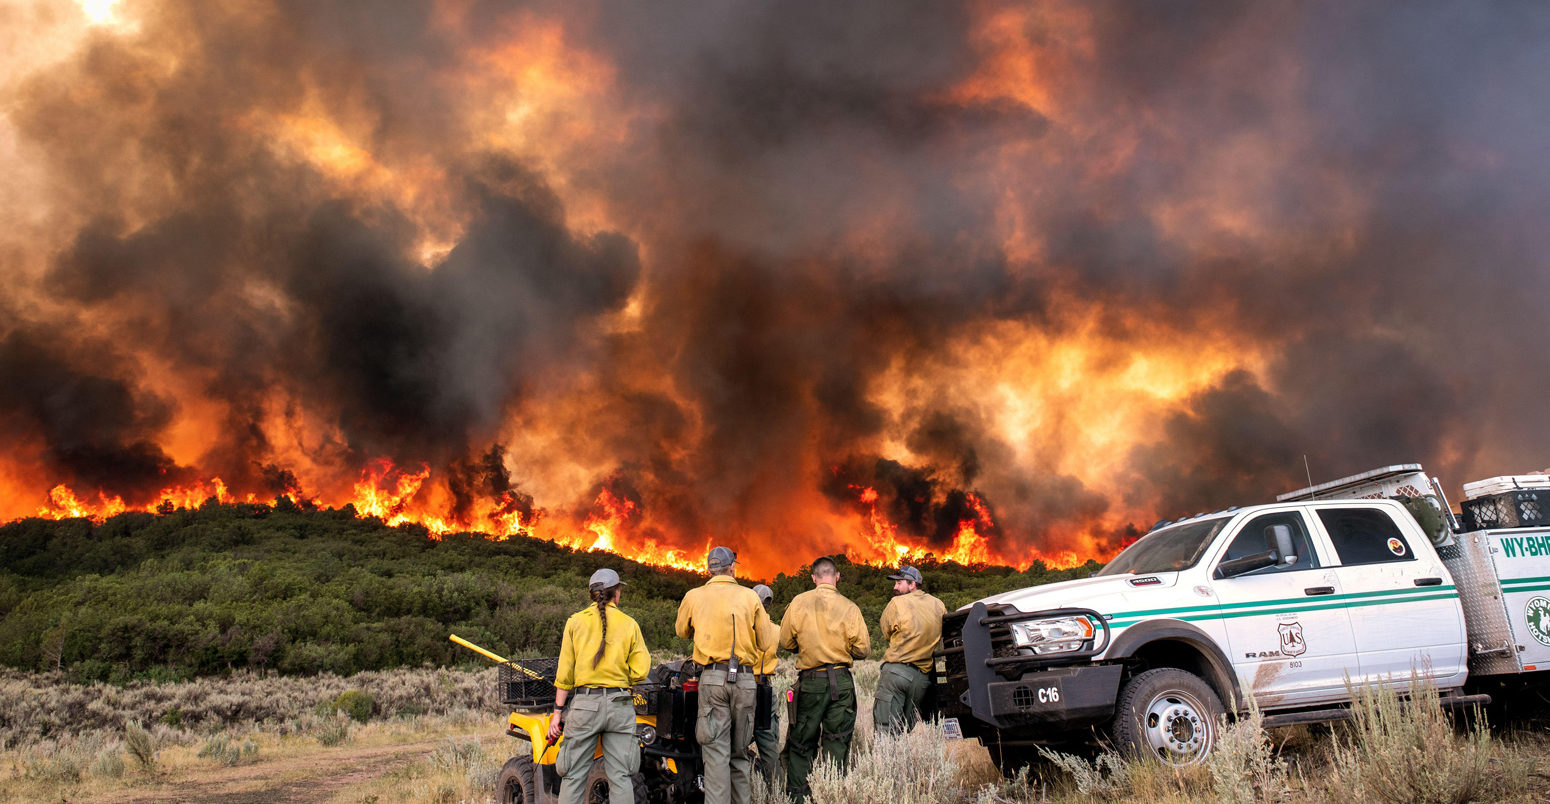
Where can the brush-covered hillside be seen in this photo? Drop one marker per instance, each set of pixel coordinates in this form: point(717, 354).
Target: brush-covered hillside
point(238, 586)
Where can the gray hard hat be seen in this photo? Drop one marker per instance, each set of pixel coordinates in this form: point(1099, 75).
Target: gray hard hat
point(720, 558)
point(907, 573)
point(765, 593)
point(605, 578)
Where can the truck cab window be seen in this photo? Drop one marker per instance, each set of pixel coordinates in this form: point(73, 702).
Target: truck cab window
point(1251, 541)
point(1365, 536)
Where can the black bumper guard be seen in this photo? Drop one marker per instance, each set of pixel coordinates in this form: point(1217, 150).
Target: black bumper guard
point(1003, 692)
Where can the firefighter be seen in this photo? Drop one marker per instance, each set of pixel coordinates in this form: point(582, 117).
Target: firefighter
point(912, 625)
point(601, 656)
point(730, 629)
point(767, 740)
point(827, 633)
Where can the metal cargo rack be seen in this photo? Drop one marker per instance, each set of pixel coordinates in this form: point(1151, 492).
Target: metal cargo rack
point(528, 683)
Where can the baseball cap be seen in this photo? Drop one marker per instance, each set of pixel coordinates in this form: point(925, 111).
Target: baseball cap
point(765, 593)
point(605, 578)
point(907, 573)
point(720, 558)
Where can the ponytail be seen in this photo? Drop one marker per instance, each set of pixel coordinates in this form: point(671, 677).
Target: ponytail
point(601, 597)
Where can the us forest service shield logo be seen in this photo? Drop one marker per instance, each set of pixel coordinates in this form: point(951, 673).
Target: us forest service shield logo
point(1537, 615)
point(1292, 643)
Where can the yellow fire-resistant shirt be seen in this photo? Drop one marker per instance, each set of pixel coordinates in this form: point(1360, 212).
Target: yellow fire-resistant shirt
point(772, 642)
point(625, 661)
point(912, 624)
point(823, 627)
point(708, 615)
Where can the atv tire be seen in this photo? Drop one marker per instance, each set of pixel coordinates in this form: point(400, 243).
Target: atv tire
point(597, 788)
point(1167, 714)
point(518, 782)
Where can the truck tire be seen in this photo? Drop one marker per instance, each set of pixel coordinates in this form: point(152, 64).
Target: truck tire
point(596, 790)
point(1167, 714)
point(517, 782)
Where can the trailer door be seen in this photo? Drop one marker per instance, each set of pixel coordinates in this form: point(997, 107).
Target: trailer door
point(1404, 608)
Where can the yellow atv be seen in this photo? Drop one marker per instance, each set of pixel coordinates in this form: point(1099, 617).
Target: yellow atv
point(666, 705)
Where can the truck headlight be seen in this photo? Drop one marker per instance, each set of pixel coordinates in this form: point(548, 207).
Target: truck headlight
point(1057, 635)
point(646, 733)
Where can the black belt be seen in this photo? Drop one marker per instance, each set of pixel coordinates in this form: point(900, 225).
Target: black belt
point(829, 671)
point(589, 690)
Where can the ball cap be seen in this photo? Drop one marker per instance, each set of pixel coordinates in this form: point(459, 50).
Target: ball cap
point(765, 593)
point(907, 573)
point(720, 558)
point(605, 578)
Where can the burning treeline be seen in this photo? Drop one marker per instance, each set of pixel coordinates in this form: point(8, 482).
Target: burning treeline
point(994, 281)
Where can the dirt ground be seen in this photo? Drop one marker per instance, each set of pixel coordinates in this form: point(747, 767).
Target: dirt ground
point(325, 775)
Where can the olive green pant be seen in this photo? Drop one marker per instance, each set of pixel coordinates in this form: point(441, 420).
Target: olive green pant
point(768, 742)
point(726, 723)
point(590, 717)
point(819, 719)
point(900, 688)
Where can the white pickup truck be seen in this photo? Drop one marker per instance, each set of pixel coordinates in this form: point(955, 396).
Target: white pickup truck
point(1368, 578)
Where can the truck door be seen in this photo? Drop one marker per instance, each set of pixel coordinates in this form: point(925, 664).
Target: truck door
point(1404, 608)
point(1290, 635)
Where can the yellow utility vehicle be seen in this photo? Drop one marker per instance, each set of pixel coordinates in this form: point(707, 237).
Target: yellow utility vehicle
point(666, 705)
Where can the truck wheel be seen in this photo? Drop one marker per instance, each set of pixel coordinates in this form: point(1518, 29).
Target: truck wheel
point(596, 790)
point(1168, 714)
point(518, 782)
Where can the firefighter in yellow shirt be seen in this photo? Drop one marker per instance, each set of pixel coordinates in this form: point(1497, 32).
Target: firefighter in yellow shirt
point(827, 633)
point(729, 627)
point(767, 740)
point(912, 625)
point(601, 656)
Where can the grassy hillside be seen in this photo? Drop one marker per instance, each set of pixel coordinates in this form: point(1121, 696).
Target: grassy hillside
point(224, 587)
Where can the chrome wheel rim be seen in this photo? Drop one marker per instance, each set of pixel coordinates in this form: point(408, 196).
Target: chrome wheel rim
point(1176, 728)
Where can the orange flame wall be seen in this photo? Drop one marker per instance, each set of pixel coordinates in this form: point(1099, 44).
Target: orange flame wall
point(987, 282)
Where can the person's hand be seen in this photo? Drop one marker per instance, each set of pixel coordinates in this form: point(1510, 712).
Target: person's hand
point(556, 725)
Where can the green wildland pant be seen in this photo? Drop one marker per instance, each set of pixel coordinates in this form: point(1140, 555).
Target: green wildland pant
point(590, 717)
point(826, 714)
point(900, 688)
point(724, 729)
point(768, 742)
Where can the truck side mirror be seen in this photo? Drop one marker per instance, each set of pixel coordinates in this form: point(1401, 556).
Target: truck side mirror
point(1278, 538)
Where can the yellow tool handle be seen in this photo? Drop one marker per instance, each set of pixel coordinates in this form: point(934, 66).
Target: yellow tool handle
point(491, 656)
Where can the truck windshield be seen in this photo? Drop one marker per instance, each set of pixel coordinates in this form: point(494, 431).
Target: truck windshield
point(1167, 550)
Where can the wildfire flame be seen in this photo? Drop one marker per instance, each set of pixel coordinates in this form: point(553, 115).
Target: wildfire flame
point(391, 493)
point(988, 283)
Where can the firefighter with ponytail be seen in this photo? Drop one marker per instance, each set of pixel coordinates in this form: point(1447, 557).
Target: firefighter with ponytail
point(601, 656)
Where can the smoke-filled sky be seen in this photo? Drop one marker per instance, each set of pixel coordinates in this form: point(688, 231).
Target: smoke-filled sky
point(789, 276)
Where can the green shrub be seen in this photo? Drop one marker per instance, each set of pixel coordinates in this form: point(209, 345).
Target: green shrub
point(357, 704)
point(140, 745)
point(1108, 774)
point(1407, 751)
point(172, 717)
point(108, 764)
point(228, 752)
point(916, 766)
point(332, 732)
point(1244, 767)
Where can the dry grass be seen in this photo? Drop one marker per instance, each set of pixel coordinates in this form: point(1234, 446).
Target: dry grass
point(1392, 752)
point(42, 706)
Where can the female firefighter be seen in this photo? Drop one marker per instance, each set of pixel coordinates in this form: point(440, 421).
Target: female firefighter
point(601, 655)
